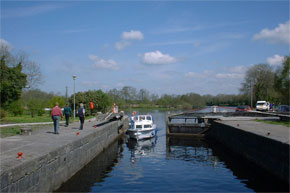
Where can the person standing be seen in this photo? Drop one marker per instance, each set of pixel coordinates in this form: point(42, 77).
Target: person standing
point(56, 115)
point(67, 113)
point(81, 113)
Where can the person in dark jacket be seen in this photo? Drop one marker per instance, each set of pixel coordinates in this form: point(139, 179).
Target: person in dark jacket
point(67, 113)
point(81, 114)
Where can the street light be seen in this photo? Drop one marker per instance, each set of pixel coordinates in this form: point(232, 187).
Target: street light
point(251, 94)
point(74, 77)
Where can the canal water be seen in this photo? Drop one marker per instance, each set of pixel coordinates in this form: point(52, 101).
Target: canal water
point(165, 164)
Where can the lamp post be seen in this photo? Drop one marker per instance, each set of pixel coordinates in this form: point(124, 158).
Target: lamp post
point(74, 77)
point(251, 94)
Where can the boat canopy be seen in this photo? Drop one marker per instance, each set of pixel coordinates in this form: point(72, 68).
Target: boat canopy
point(142, 118)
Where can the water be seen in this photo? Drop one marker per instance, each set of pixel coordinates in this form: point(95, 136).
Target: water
point(169, 165)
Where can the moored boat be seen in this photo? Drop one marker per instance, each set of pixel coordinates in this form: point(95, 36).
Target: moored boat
point(142, 127)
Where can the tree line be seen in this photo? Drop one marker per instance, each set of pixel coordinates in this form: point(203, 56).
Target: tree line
point(131, 97)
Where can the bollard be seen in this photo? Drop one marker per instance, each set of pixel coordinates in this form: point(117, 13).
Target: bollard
point(268, 133)
point(26, 131)
point(19, 155)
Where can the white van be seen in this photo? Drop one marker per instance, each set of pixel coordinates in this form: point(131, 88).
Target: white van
point(262, 106)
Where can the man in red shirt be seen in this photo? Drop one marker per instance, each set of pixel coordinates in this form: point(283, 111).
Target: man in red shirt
point(56, 114)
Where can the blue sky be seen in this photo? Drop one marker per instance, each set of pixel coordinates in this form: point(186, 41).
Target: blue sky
point(163, 46)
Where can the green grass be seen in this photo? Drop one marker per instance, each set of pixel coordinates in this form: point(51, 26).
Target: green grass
point(36, 119)
point(9, 131)
point(25, 119)
point(284, 123)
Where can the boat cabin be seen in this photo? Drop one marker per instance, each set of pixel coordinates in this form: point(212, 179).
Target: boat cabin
point(142, 121)
point(142, 118)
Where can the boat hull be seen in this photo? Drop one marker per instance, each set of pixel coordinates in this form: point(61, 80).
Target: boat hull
point(142, 134)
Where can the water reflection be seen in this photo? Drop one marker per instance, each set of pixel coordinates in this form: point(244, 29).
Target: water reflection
point(188, 149)
point(201, 151)
point(97, 170)
point(141, 148)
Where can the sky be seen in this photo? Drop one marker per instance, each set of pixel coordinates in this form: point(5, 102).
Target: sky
point(172, 47)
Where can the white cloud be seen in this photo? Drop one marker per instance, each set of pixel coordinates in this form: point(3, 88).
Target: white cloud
point(103, 64)
point(280, 34)
point(4, 43)
point(157, 58)
point(127, 38)
point(237, 72)
point(237, 69)
point(29, 10)
point(275, 60)
point(132, 35)
point(229, 75)
point(203, 74)
point(121, 45)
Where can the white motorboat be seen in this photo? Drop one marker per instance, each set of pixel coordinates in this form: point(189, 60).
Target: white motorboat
point(142, 127)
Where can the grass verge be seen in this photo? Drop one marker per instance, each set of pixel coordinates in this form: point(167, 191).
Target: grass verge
point(9, 131)
point(36, 119)
point(284, 123)
point(25, 119)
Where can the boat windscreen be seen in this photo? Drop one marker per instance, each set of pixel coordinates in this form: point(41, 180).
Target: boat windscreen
point(148, 118)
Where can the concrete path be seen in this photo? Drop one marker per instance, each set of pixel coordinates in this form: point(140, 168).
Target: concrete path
point(39, 143)
point(276, 132)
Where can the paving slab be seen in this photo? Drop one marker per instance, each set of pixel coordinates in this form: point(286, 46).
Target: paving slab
point(40, 142)
point(276, 132)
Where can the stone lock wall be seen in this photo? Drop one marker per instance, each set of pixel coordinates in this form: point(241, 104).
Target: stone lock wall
point(46, 173)
point(267, 153)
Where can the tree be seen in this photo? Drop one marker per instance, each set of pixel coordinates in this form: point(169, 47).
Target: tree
point(30, 68)
point(282, 81)
point(260, 79)
point(57, 99)
point(16, 108)
point(128, 93)
point(194, 100)
point(35, 106)
point(37, 94)
point(12, 81)
point(115, 95)
point(144, 95)
point(101, 100)
point(34, 76)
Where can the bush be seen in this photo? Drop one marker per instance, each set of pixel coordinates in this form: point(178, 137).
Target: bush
point(16, 108)
point(40, 112)
point(3, 113)
point(35, 107)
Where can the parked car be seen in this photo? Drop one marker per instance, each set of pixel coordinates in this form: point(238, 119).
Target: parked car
point(283, 108)
point(262, 106)
point(243, 108)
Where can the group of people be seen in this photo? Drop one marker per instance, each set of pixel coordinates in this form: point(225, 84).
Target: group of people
point(57, 115)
